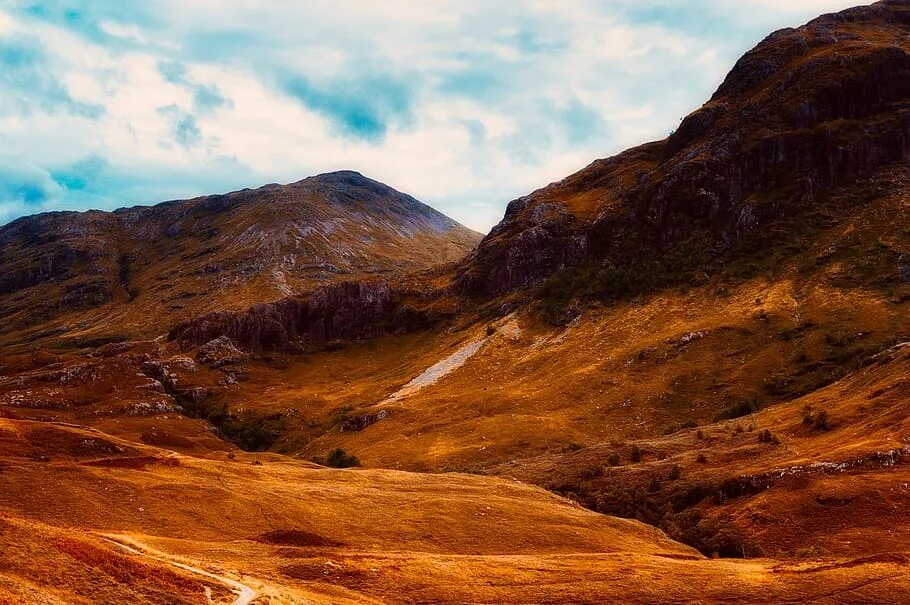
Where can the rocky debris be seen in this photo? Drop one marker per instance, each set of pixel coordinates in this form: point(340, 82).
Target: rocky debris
point(195, 394)
point(171, 375)
point(687, 338)
point(745, 485)
point(166, 405)
point(361, 422)
point(35, 400)
point(166, 370)
point(220, 352)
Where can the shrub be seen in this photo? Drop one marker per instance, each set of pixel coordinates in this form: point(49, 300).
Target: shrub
point(252, 432)
point(592, 473)
point(701, 459)
point(636, 454)
point(820, 423)
point(737, 410)
point(675, 473)
point(818, 420)
point(766, 436)
point(807, 415)
point(613, 459)
point(338, 458)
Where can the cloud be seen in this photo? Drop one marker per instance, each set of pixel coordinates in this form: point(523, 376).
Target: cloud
point(465, 104)
point(363, 107)
point(183, 125)
point(31, 84)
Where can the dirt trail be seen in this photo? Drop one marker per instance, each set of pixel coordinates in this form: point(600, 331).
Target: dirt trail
point(245, 594)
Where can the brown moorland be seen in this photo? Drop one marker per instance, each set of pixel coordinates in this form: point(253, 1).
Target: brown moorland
point(679, 375)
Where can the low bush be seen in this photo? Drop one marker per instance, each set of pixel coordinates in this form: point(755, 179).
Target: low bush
point(338, 458)
point(737, 409)
point(252, 432)
point(766, 436)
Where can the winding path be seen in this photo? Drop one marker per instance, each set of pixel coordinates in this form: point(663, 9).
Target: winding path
point(245, 594)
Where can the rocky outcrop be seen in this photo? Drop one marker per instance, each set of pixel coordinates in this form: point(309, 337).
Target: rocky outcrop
point(220, 352)
point(345, 310)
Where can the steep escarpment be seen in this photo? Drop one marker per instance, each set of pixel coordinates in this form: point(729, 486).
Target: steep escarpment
point(336, 311)
point(78, 277)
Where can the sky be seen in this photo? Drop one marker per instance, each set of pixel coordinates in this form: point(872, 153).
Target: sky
point(464, 104)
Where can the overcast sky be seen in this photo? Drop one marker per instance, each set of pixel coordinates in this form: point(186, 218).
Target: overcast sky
point(465, 104)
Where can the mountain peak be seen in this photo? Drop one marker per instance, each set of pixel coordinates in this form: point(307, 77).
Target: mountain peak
point(149, 265)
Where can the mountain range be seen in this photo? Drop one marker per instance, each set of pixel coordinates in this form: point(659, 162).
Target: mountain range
point(679, 375)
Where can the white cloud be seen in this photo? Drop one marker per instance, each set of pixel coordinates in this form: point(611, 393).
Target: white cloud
point(483, 101)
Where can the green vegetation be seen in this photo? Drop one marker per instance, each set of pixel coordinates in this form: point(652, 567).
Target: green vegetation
point(737, 409)
point(338, 458)
point(252, 432)
point(672, 507)
point(249, 431)
point(612, 283)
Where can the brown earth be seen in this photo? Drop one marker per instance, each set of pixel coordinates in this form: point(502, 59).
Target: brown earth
point(678, 376)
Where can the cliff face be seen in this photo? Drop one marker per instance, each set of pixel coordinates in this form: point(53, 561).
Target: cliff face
point(807, 110)
point(336, 311)
point(138, 271)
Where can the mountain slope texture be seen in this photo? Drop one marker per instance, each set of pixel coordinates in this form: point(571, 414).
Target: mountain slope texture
point(679, 375)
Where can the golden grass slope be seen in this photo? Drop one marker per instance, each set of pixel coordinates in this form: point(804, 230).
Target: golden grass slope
point(297, 533)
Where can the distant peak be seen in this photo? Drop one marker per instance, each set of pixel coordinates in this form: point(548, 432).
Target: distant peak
point(341, 176)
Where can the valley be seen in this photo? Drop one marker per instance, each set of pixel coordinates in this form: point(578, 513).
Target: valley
point(680, 375)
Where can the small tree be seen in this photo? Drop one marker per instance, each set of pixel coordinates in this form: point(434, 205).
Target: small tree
point(636, 454)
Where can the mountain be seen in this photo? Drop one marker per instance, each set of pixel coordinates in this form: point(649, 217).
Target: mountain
point(806, 111)
point(696, 349)
point(94, 276)
point(808, 127)
point(700, 284)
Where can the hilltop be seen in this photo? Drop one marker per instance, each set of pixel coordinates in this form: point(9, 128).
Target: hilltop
point(76, 278)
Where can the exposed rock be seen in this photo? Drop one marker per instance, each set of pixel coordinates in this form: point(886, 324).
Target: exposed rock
point(147, 408)
point(220, 352)
point(361, 422)
point(344, 310)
